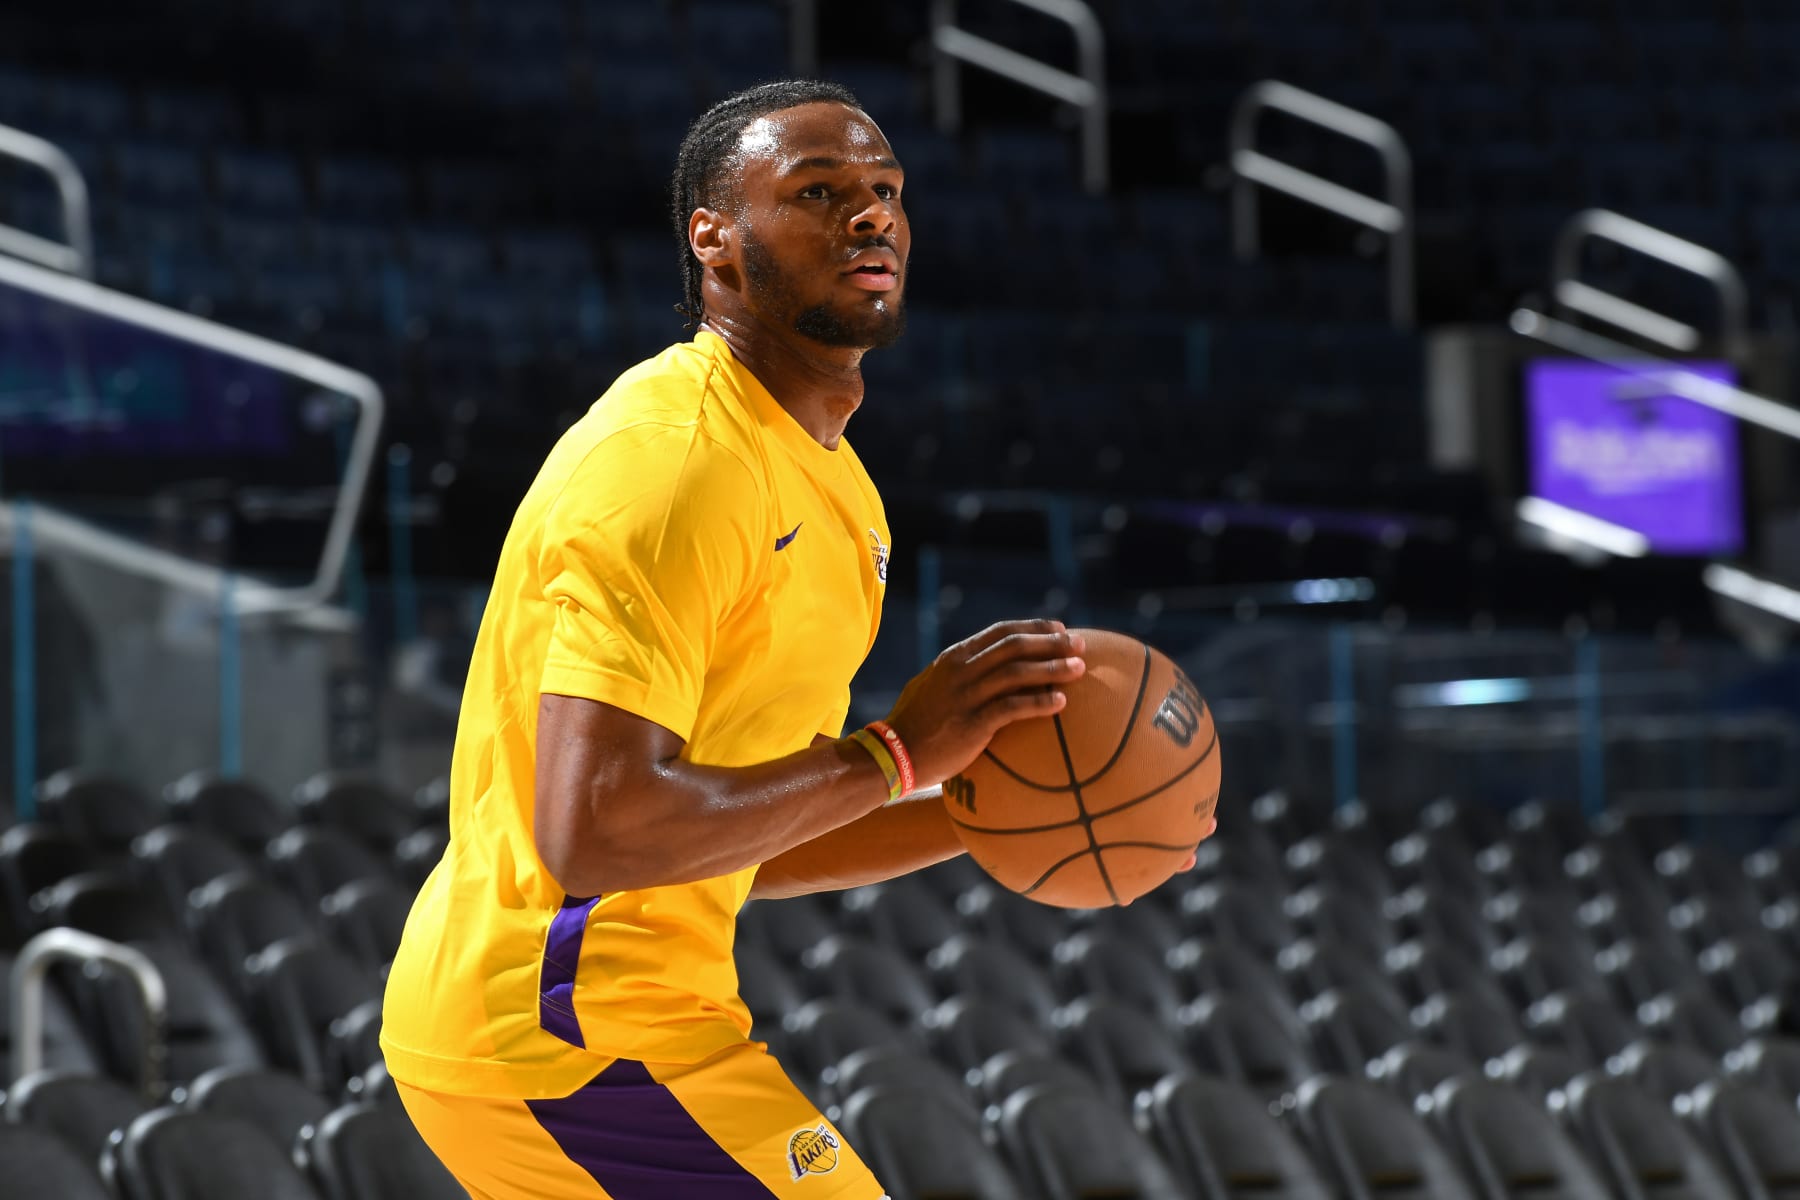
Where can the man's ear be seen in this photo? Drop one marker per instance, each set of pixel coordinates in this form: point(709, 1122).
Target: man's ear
point(712, 238)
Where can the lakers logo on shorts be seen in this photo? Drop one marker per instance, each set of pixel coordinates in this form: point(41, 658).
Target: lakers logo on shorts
point(812, 1152)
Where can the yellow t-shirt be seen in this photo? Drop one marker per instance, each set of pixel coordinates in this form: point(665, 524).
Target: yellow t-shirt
point(688, 553)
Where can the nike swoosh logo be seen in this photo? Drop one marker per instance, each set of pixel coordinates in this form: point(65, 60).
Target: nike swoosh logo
point(782, 542)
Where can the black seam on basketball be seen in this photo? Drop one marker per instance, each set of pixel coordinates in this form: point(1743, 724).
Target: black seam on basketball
point(1137, 703)
point(961, 824)
point(1054, 868)
point(1087, 822)
point(1184, 846)
point(1164, 786)
point(1030, 783)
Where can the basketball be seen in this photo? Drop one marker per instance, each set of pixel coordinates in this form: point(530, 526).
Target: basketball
point(1102, 802)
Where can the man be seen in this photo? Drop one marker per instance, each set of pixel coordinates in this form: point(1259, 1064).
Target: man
point(650, 732)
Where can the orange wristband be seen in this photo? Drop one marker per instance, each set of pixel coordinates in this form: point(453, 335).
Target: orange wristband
point(908, 778)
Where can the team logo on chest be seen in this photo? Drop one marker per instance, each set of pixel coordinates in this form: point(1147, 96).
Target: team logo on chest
point(879, 550)
point(812, 1152)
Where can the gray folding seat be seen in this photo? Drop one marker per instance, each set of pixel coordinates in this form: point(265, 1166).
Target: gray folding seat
point(1222, 1141)
point(994, 971)
point(1237, 1038)
point(1229, 913)
point(66, 1045)
point(235, 917)
point(1639, 1145)
point(902, 913)
point(952, 877)
point(1015, 1070)
point(33, 856)
point(1693, 1017)
point(1770, 1062)
point(173, 1154)
point(1708, 920)
point(277, 1103)
point(1772, 871)
point(1144, 924)
point(1621, 872)
point(1338, 862)
point(769, 990)
point(1526, 866)
point(1372, 1143)
point(1646, 834)
point(1556, 827)
point(237, 810)
point(1756, 1135)
point(1087, 964)
point(1352, 1026)
point(372, 1152)
point(1074, 1145)
point(1694, 872)
point(34, 1165)
point(1476, 1025)
point(1748, 967)
point(1287, 817)
point(1438, 862)
point(1604, 921)
point(966, 1031)
point(357, 803)
point(174, 860)
point(299, 988)
point(1244, 854)
point(1029, 927)
point(1215, 969)
point(922, 1149)
point(1512, 1148)
point(897, 1067)
point(1523, 914)
point(418, 853)
point(1323, 912)
point(1414, 1069)
point(1478, 824)
point(1637, 971)
point(314, 861)
point(367, 917)
point(1537, 1071)
point(82, 1110)
point(204, 1027)
point(98, 810)
point(1533, 967)
point(431, 802)
point(1313, 966)
point(1664, 1069)
point(1424, 967)
point(822, 1033)
point(1442, 913)
point(875, 976)
point(1116, 1045)
point(1586, 1024)
point(105, 903)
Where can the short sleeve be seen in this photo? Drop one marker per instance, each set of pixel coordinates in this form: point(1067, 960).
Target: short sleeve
point(645, 552)
point(833, 725)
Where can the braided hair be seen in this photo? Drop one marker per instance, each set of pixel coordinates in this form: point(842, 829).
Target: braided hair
point(705, 151)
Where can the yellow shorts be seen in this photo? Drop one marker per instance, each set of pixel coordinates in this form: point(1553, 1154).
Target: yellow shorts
point(732, 1127)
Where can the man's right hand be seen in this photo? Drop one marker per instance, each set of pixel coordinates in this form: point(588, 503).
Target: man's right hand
point(1008, 672)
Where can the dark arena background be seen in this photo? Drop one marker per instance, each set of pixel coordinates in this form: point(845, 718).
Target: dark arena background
point(1418, 374)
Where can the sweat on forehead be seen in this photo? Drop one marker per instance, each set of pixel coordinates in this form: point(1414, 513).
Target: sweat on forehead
point(806, 130)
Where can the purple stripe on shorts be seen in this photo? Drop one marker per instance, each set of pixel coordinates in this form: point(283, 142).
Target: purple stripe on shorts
point(556, 980)
point(633, 1136)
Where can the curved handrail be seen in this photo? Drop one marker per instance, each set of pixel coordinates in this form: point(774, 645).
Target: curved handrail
point(30, 973)
point(80, 293)
point(1085, 88)
point(1605, 225)
point(77, 256)
point(1252, 168)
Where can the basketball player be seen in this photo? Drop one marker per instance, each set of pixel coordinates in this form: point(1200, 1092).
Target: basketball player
point(651, 731)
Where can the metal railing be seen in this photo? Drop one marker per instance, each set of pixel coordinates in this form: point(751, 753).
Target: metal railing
point(1599, 224)
point(76, 256)
point(1084, 88)
point(1252, 168)
point(30, 976)
point(143, 560)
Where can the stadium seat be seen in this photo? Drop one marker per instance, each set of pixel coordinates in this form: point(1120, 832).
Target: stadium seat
point(66, 1044)
point(875, 976)
point(316, 860)
point(1088, 964)
point(174, 860)
point(300, 987)
point(1015, 1070)
point(1145, 924)
point(1538, 1071)
point(98, 810)
point(1353, 1026)
point(39, 1166)
point(1422, 967)
point(1337, 860)
point(1031, 928)
point(1223, 1143)
point(1637, 971)
point(1440, 913)
point(372, 1152)
point(995, 971)
point(81, 1110)
point(1070, 1145)
point(1209, 969)
point(366, 918)
point(32, 857)
point(1125, 1053)
point(1224, 912)
point(277, 1103)
point(1664, 1070)
point(894, 1067)
point(172, 1154)
point(353, 1040)
point(1639, 1144)
point(1773, 1063)
point(1693, 1017)
point(1772, 871)
point(967, 1030)
point(1326, 913)
point(1756, 1134)
point(418, 852)
point(1512, 1148)
point(204, 1027)
point(1533, 967)
point(920, 1147)
point(1477, 1025)
point(235, 809)
point(789, 927)
point(822, 1033)
point(952, 877)
point(104, 903)
point(1371, 1142)
point(1586, 1024)
point(1312, 967)
point(235, 917)
point(1748, 967)
point(769, 990)
point(356, 803)
point(902, 913)
point(1235, 1037)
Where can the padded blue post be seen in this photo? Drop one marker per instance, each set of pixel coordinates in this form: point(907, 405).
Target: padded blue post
point(24, 673)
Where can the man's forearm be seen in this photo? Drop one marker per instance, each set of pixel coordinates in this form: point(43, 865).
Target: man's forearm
point(893, 840)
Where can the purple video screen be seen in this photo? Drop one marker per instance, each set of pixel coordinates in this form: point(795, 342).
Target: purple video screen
point(1610, 442)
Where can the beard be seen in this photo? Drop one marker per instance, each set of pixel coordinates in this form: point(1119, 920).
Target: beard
point(773, 291)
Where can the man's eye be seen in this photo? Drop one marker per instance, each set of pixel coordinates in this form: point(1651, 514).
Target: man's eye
point(817, 191)
point(887, 191)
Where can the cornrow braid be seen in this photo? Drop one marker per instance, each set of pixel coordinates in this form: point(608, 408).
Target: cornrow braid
point(709, 143)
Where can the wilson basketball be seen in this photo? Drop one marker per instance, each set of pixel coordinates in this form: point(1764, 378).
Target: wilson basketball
point(1103, 801)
